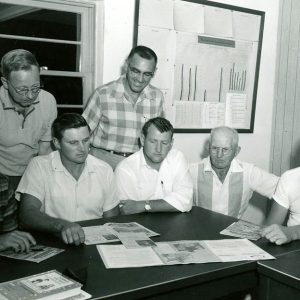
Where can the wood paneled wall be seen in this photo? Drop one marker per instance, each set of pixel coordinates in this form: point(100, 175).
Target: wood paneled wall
point(286, 114)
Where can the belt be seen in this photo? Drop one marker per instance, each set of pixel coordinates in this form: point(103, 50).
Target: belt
point(124, 154)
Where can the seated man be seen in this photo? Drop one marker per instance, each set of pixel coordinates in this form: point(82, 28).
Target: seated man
point(287, 201)
point(224, 184)
point(155, 178)
point(10, 237)
point(68, 185)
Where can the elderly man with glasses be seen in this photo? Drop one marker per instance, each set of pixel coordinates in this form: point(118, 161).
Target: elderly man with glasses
point(117, 111)
point(26, 114)
point(224, 184)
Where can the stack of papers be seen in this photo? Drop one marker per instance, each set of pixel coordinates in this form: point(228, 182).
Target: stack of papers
point(244, 229)
point(49, 285)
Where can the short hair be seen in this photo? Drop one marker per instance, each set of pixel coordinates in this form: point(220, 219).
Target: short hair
point(162, 124)
point(67, 121)
point(226, 130)
point(143, 52)
point(16, 60)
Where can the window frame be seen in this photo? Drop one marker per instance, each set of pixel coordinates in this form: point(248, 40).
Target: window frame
point(87, 11)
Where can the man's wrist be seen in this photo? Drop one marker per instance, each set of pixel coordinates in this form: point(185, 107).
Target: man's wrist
point(147, 206)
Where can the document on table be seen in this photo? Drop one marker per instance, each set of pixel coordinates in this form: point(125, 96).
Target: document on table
point(109, 232)
point(244, 229)
point(36, 253)
point(181, 252)
point(135, 240)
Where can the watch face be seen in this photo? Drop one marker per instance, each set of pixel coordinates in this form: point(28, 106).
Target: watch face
point(147, 207)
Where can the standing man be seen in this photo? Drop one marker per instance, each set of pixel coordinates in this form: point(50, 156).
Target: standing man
point(67, 185)
point(156, 178)
point(117, 111)
point(224, 184)
point(26, 114)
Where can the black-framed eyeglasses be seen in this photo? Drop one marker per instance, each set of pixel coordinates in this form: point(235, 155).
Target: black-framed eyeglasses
point(23, 91)
point(136, 72)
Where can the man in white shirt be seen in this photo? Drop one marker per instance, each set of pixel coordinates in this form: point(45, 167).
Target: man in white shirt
point(155, 178)
point(287, 202)
point(68, 185)
point(224, 184)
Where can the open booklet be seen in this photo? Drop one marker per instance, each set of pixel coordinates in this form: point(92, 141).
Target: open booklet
point(35, 254)
point(244, 229)
point(50, 285)
point(181, 252)
point(110, 232)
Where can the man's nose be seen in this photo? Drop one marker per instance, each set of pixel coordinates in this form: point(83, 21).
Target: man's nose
point(220, 152)
point(158, 147)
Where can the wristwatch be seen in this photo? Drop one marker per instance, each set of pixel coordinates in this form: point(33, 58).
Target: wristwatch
point(147, 206)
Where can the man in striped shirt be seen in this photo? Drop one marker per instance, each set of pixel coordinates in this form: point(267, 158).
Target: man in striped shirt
point(117, 111)
point(10, 237)
point(224, 184)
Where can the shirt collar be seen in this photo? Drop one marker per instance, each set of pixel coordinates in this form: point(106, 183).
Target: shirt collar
point(147, 92)
point(235, 166)
point(59, 167)
point(144, 163)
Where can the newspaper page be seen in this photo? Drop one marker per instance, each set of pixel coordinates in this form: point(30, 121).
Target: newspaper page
point(181, 252)
point(136, 240)
point(36, 253)
point(243, 229)
point(109, 232)
point(237, 250)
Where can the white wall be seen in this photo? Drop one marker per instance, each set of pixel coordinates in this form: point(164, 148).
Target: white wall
point(118, 40)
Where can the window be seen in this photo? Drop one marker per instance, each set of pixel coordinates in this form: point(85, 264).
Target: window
point(61, 35)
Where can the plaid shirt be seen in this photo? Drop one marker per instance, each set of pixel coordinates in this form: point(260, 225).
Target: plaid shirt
point(8, 206)
point(115, 122)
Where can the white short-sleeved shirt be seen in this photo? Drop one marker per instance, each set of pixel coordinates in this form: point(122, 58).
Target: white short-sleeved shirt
point(232, 196)
point(136, 180)
point(288, 195)
point(64, 197)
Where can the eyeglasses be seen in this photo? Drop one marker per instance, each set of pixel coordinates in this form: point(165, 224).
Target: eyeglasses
point(23, 91)
point(216, 150)
point(136, 72)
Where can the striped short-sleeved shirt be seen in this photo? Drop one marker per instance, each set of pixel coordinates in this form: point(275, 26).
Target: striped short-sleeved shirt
point(115, 122)
point(8, 206)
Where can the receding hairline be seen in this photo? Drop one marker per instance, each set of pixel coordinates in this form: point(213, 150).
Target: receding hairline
point(228, 131)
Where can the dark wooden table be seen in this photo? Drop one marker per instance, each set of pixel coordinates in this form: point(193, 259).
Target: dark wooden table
point(194, 281)
point(280, 278)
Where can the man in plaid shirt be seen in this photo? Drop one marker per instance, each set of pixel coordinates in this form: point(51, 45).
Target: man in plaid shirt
point(117, 111)
point(9, 236)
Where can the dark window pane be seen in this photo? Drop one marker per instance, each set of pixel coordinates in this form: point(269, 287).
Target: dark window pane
point(62, 110)
point(42, 23)
point(66, 90)
point(54, 56)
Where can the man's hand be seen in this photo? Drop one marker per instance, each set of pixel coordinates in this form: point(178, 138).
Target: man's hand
point(128, 207)
point(18, 240)
point(277, 234)
point(71, 233)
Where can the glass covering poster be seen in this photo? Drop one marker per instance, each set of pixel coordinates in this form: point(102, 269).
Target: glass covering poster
point(208, 61)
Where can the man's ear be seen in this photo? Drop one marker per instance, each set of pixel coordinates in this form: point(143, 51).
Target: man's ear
point(56, 143)
point(237, 151)
point(142, 139)
point(4, 82)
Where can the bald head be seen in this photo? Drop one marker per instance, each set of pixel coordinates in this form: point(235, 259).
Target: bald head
point(223, 147)
point(228, 132)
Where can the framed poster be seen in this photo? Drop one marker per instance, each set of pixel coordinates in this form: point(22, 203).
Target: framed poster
point(208, 61)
